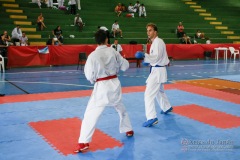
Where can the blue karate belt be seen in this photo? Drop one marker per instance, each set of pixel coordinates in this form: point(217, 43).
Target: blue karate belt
point(155, 66)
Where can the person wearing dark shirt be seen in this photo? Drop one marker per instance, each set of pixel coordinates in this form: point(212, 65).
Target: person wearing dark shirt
point(3, 49)
point(58, 34)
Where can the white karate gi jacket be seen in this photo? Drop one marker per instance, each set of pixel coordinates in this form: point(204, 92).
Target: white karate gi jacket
point(154, 89)
point(157, 56)
point(104, 62)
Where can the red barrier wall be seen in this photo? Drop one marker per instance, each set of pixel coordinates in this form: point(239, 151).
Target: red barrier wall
point(20, 56)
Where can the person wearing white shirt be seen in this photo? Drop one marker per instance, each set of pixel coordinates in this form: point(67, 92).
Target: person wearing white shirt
point(208, 41)
point(23, 39)
point(103, 28)
point(78, 21)
point(117, 46)
point(73, 6)
point(16, 34)
point(101, 69)
point(142, 11)
point(116, 29)
point(131, 8)
point(158, 60)
point(137, 5)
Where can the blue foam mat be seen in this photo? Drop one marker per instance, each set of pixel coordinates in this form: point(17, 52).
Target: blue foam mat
point(166, 140)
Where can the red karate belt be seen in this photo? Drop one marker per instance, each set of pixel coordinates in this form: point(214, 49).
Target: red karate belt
point(106, 78)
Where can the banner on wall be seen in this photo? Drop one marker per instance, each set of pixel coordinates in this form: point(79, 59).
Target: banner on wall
point(44, 50)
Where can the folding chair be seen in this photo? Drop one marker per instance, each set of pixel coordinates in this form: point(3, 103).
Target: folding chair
point(234, 52)
point(82, 57)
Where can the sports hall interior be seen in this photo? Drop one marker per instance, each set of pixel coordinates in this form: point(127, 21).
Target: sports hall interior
point(46, 94)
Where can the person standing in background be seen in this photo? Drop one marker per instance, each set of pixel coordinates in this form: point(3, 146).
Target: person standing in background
point(39, 3)
point(50, 3)
point(73, 6)
point(79, 4)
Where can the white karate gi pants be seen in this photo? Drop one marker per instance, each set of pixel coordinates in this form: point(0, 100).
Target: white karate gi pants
point(142, 12)
point(96, 105)
point(155, 90)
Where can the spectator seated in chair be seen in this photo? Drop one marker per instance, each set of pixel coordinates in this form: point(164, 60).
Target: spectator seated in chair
point(199, 35)
point(16, 34)
point(55, 41)
point(7, 38)
point(131, 8)
point(78, 22)
point(24, 40)
point(116, 29)
point(208, 41)
point(57, 32)
point(186, 39)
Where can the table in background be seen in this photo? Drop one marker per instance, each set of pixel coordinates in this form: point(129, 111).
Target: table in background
point(224, 49)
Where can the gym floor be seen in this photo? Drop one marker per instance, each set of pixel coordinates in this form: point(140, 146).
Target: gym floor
point(40, 116)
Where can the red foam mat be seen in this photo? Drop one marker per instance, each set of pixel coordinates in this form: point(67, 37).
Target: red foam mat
point(70, 94)
point(63, 135)
point(208, 116)
point(59, 95)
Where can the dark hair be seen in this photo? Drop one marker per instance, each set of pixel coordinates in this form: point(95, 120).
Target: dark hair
point(154, 26)
point(100, 36)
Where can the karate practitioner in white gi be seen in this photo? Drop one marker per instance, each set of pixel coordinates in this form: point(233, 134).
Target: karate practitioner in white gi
point(142, 11)
point(101, 69)
point(158, 60)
